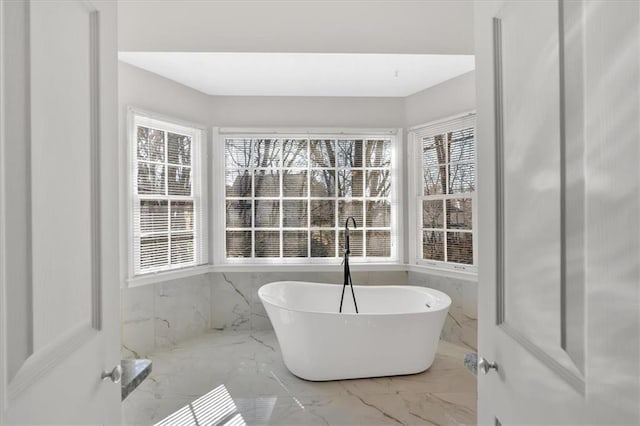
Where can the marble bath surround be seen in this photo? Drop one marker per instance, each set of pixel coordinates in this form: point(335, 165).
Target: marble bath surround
point(238, 377)
point(461, 325)
point(162, 315)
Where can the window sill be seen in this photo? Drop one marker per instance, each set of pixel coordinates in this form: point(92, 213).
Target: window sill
point(159, 277)
point(306, 267)
point(442, 272)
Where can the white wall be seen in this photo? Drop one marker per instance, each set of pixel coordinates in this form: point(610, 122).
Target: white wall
point(306, 111)
point(346, 26)
point(152, 92)
point(443, 100)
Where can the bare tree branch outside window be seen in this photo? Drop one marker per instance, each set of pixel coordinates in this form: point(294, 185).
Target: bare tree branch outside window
point(448, 177)
point(165, 203)
point(289, 197)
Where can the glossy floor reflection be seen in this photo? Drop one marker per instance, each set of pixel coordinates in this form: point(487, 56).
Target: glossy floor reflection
point(236, 378)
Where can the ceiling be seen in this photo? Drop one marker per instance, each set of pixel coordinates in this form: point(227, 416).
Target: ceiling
point(390, 48)
point(302, 74)
point(311, 26)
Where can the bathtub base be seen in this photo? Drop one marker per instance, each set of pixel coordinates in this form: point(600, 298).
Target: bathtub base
point(372, 375)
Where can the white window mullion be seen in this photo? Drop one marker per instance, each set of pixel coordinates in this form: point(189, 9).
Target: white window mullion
point(166, 188)
point(364, 198)
point(309, 197)
point(444, 229)
point(252, 172)
point(281, 198)
point(336, 203)
point(446, 192)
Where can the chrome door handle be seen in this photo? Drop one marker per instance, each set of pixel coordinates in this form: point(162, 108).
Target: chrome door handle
point(485, 365)
point(115, 375)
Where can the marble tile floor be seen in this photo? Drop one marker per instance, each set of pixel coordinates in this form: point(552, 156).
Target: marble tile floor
point(237, 378)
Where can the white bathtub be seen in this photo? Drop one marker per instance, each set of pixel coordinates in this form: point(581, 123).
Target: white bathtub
point(396, 331)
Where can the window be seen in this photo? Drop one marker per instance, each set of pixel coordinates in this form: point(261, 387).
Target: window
point(287, 197)
point(445, 195)
point(167, 227)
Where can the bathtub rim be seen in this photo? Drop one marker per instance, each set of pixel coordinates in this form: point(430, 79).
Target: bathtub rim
point(421, 289)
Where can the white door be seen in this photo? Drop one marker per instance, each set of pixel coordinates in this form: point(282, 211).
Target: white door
point(59, 287)
point(558, 86)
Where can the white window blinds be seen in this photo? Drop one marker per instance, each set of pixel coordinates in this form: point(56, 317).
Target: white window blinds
point(288, 196)
point(445, 198)
point(168, 223)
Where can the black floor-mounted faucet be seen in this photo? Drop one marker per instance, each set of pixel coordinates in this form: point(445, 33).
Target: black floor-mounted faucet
point(345, 262)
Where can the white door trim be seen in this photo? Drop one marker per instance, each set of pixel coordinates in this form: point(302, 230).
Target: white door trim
point(3, 249)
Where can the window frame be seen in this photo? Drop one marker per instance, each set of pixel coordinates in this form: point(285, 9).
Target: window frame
point(218, 241)
point(198, 134)
point(416, 195)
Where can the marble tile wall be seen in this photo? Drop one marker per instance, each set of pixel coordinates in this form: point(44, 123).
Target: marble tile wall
point(164, 314)
point(137, 326)
point(182, 310)
point(461, 325)
point(161, 315)
point(234, 296)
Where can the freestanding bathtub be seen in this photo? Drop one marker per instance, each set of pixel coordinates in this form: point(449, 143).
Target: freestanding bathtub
point(396, 331)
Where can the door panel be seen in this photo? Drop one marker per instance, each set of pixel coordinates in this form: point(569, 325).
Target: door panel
point(558, 93)
point(531, 190)
point(60, 310)
point(63, 212)
point(15, 282)
point(531, 168)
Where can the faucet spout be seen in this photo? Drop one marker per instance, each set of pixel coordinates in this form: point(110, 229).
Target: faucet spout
point(347, 249)
point(347, 270)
